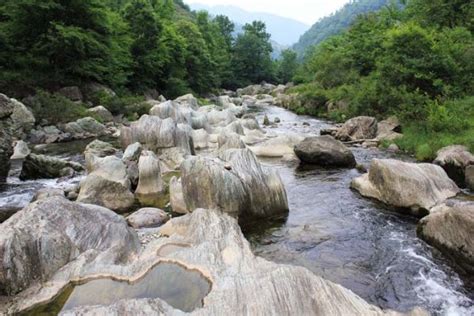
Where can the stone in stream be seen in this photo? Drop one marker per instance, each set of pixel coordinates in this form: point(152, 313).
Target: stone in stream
point(97, 149)
point(266, 121)
point(249, 121)
point(357, 128)
point(150, 189)
point(45, 167)
point(107, 185)
point(449, 227)
point(324, 151)
point(389, 129)
point(47, 193)
point(36, 242)
point(454, 160)
point(147, 218)
point(21, 150)
point(227, 140)
point(237, 184)
point(416, 187)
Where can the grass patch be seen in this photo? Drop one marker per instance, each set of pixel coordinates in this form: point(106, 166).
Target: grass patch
point(451, 123)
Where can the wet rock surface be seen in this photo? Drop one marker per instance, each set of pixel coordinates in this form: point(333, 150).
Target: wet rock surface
point(41, 166)
point(417, 187)
point(324, 151)
point(449, 227)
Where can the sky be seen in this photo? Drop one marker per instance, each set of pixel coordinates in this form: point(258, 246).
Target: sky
point(306, 11)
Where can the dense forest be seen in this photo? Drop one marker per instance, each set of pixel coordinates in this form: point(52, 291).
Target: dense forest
point(416, 63)
point(128, 45)
point(336, 22)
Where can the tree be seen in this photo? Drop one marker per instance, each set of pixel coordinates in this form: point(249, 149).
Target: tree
point(287, 66)
point(251, 60)
point(56, 42)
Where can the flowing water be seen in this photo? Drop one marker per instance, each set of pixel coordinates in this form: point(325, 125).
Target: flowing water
point(331, 230)
point(353, 241)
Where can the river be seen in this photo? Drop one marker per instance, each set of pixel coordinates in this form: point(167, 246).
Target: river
point(331, 230)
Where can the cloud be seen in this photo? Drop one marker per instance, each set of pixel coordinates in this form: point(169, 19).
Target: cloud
point(307, 11)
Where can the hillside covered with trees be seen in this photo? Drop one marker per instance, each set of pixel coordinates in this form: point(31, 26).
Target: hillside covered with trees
point(416, 63)
point(129, 46)
point(336, 23)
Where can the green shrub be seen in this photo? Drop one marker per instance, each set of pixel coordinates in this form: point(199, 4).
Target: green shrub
point(56, 108)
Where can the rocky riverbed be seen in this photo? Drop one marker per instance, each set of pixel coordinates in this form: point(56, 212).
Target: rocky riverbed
point(193, 177)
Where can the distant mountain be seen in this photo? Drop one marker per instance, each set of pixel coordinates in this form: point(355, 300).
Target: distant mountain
point(337, 22)
point(284, 31)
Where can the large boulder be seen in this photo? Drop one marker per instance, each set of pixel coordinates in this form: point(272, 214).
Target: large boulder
point(157, 135)
point(236, 184)
point(97, 149)
point(147, 218)
point(51, 232)
point(242, 283)
point(107, 185)
point(150, 187)
point(449, 227)
point(357, 128)
point(92, 91)
point(209, 183)
point(280, 146)
point(101, 113)
point(416, 187)
point(188, 101)
point(454, 160)
point(389, 129)
point(265, 189)
point(46, 167)
point(324, 151)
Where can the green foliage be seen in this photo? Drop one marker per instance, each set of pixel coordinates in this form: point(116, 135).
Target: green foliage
point(400, 63)
point(128, 45)
point(286, 67)
point(251, 58)
point(55, 108)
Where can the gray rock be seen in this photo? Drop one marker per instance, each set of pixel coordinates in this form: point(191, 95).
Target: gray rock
point(47, 193)
point(265, 190)
point(101, 113)
point(208, 183)
point(107, 185)
point(133, 152)
point(22, 118)
point(147, 218)
point(178, 205)
point(72, 93)
point(228, 140)
point(416, 187)
point(276, 120)
point(36, 242)
point(150, 187)
point(91, 126)
point(100, 149)
point(200, 138)
point(249, 121)
point(45, 167)
point(324, 151)
point(152, 132)
point(449, 228)
point(389, 129)
point(357, 128)
point(266, 121)
point(454, 160)
point(189, 101)
point(21, 150)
